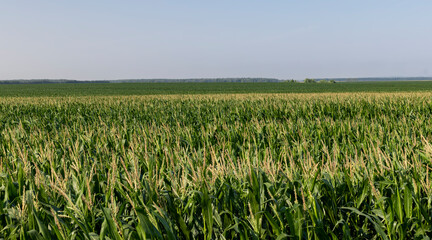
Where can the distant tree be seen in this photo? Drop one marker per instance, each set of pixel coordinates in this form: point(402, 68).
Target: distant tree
point(309, 80)
point(326, 81)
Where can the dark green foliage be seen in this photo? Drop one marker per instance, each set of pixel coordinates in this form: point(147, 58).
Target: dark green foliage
point(309, 80)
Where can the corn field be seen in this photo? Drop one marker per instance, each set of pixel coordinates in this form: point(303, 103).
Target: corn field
point(240, 166)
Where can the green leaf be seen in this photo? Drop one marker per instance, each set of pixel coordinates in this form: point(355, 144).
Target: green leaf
point(42, 228)
point(376, 224)
point(111, 225)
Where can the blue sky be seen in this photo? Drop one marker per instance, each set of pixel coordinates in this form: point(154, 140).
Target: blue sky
point(225, 38)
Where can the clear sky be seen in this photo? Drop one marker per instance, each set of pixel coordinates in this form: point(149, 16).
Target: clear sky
point(107, 39)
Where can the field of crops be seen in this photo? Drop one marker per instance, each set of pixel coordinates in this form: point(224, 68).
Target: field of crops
point(133, 89)
point(239, 166)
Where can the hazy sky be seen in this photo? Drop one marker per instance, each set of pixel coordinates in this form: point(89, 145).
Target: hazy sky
point(106, 39)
